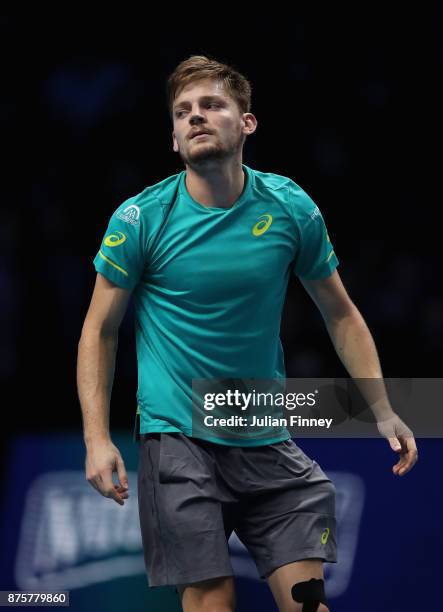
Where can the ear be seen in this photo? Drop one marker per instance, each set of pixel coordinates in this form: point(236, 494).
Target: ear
point(174, 143)
point(249, 123)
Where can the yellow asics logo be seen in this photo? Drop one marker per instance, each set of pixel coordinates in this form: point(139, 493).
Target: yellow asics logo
point(325, 535)
point(114, 240)
point(262, 226)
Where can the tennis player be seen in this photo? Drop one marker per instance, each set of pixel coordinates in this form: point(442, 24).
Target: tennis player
point(207, 255)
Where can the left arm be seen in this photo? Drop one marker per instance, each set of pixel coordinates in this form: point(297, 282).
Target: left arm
point(348, 331)
point(355, 346)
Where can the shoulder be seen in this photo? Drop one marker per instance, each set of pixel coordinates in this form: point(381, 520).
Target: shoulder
point(149, 202)
point(303, 206)
point(293, 197)
point(269, 181)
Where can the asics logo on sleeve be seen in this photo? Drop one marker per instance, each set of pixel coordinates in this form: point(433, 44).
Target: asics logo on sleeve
point(114, 240)
point(263, 225)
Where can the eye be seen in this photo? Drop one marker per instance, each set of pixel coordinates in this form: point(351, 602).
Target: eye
point(214, 104)
point(178, 114)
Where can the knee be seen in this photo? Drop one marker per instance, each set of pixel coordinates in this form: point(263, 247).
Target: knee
point(209, 596)
point(309, 594)
point(209, 606)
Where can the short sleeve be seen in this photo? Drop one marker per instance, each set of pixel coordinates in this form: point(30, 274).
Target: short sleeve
point(121, 257)
point(315, 257)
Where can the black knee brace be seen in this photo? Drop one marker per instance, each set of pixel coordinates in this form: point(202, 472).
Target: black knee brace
point(310, 594)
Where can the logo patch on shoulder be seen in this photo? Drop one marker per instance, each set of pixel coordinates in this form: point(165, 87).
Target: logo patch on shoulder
point(130, 214)
point(114, 240)
point(315, 213)
point(262, 225)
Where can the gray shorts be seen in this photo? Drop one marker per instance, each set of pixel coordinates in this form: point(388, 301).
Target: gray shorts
point(192, 494)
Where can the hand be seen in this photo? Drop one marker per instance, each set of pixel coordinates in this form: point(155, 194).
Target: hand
point(402, 442)
point(102, 459)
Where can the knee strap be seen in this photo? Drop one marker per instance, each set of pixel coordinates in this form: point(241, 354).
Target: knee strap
point(310, 593)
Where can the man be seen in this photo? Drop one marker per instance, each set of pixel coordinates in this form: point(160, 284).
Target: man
point(207, 255)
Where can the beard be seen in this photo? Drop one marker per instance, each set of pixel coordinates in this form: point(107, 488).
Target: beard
point(207, 152)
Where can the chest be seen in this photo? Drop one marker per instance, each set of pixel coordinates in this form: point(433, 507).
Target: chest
point(215, 255)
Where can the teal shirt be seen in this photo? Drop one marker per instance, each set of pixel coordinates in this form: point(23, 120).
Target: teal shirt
point(209, 286)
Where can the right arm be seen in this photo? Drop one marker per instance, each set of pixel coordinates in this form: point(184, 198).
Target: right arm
point(95, 374)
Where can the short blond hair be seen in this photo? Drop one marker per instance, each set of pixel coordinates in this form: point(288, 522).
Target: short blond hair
point(199, 67)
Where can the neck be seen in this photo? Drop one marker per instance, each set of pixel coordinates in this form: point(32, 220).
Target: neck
point(219, 186)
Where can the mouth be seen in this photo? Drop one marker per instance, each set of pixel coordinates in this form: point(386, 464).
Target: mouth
point(199, 135)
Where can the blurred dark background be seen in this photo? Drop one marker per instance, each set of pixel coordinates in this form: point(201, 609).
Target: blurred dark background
point(348, 106)
point(348, 103)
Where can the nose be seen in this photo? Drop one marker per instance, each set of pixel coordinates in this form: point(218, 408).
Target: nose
point(196, 119)
point(196, 116)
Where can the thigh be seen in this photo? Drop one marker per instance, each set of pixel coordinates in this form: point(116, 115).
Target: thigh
point(216, 594)
point(293, 518)
point(183, 533)
point(284, 578)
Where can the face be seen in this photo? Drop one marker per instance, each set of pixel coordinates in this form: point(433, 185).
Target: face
point(205, 106)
